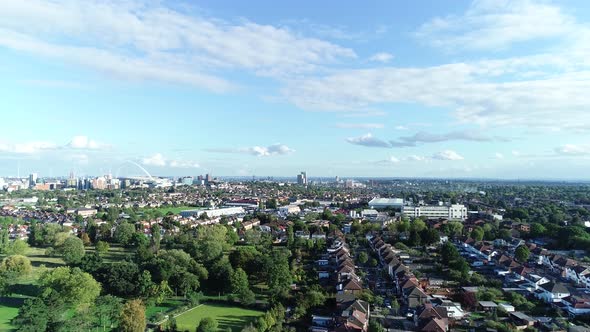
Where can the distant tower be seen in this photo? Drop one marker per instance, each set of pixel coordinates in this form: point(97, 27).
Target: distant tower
point(32, 179)
point(302, 178)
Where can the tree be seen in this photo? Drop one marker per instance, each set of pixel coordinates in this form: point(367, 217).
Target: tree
point(33, 316)
point(418, 225)
point(279, 274)
point(537, 229)
point(132, 317)
point(85, 239)
point(449, 252)
point(522, 253)
point(477, 234)
point(375, 326)
point(4, 240)
point(72, 250)
point(156, 236)
point(71, 285)
point(106, 311)
point(18, 247)
point(15, 266)
point(124, 234)
point(119, 278)
point(102, 247)
point(430, 236)
point(240, 286)
point(363, 257)
point(207, 324)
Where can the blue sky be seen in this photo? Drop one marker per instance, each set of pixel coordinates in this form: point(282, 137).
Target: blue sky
point(487, 88)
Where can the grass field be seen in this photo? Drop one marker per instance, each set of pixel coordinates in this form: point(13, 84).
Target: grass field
point(226, 316)
point(174, 209)
point(164, 307)
point(25, 287)
point(116, 253)
point(6, 314)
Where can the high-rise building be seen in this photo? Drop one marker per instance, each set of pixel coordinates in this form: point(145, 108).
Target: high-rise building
point(208, 178)
point(302, 178)
point(32, 179)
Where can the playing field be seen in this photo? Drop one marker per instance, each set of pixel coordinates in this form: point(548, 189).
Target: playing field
point(6, 314)
point(226, 316)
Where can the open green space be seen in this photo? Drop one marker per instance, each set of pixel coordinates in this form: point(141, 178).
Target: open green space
point(116, 253)
point(164, 307)
point(225, 315)
point(173, 209)
point(7, 313)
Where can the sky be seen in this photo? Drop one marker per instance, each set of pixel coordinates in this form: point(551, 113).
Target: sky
point(449, 89)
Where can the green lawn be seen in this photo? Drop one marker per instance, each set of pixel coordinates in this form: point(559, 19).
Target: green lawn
point(226, 316)
point(174, 209)
point(6, 314)
point(153, 310)
point(116, 253)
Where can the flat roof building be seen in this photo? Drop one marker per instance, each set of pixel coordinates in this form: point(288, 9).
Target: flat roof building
point(382, 203)
point(452, 212)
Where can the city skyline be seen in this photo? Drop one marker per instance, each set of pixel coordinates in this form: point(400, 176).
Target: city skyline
point(468, 89)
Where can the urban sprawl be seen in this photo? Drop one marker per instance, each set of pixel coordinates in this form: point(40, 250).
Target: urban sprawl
point(210, 253)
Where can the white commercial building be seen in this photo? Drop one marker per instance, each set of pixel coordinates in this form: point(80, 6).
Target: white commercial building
point(213, 213)
point(289, 209)
point(382, 203)
point(454, 212)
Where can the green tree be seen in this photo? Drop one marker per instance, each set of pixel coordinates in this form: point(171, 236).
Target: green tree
point(72, 285)
point(102, 247)
point(240, 286)
point(522, 254)
point(132, 317)
point(207, 324)
point(18, 247)
point(363, 257)
point(375, 326)
point(72, 250)
point(14, 267)
point(124, 234)
point(279, 274)
point(156, 236)
point(106, 311)
point(33, 316)
point(4, 240)
point(477, 234)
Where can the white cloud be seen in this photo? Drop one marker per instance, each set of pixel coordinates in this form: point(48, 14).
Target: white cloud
point(416, 158)
point(493, 24)
point(447, 155)
point(148, 41)
point(27, 147)
point(382, 57)
point(83, 142)
point(183, 164)
point(515, 153)
point(401, 128)
point(427, 137)
point(421, 137)
point(499, 155)
point(369, 141)
point(573, 149)
point(482, 93)
point(360, 125)
point(156, 159)
point(260, 151)
point(275, 149)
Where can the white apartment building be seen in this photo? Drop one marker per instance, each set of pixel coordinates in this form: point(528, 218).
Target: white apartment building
point(453, 212)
